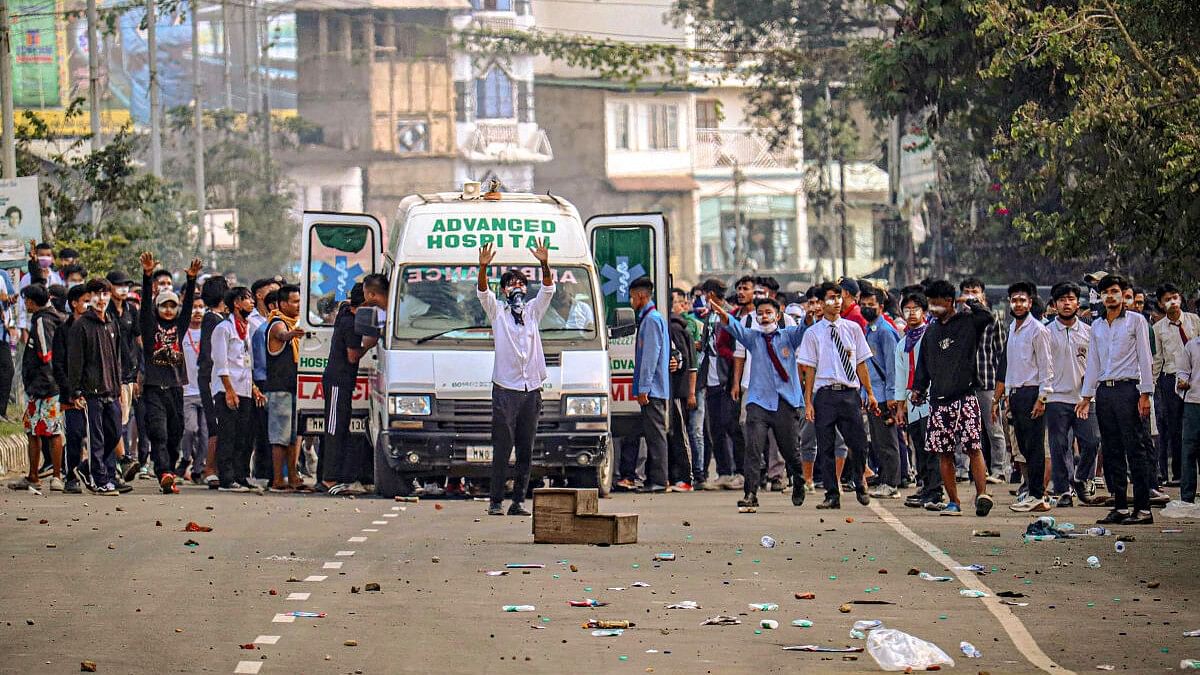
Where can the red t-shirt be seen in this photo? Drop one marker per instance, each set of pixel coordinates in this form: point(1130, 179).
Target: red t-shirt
point(854, 314)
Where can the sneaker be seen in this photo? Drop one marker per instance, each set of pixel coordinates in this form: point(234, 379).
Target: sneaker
point(810, 487)
point(798, 494)
point(863, 497)
point(182, 468)
point(167, 483)
point(935, 506)
point(750, 501)
point(338, 490)
point(46, 471)
point(143, 473)
point(56, 484)
point(23, 483)
point(122, 488)
point(128, 468)
point(1025, 505)
point(651, 488)
point(625, 484)
point(1114, 517)
point(71, 487)
point(1041, 505)
point(1139, 518)
point(495, 509)
point(1159, 498)
point(430, 490)
point(829, 504)
point(885, 491)
point(914, 502)
point(995, 479)
point(1066, 500)
point(233, 486)
point(108, 490)
point(736, 482)
point(951, 509)
point(518, 509)
point(681, 487)
point(778, 484)
point(983, 505)
point(213, 481)
point(708, 486)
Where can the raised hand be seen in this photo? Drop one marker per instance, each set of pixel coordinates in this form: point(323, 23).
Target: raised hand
point(148, 263)
point(487, 253)
point(542, 253)
point(193, 269)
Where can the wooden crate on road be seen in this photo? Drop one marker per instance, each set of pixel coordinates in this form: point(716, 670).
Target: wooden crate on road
point(570, 516)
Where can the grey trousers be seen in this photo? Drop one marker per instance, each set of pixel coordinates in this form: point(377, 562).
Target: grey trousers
point(885, 448)
point(1064, 427)
point(997, 440)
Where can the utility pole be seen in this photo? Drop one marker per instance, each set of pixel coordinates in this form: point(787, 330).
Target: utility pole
point(248, 31)
point(198, 103)
point(6, 95)
point(94, 74)
point(266, 107)
point(155, 102)
point(227, 72)
point(841, 160)
point(739, 247)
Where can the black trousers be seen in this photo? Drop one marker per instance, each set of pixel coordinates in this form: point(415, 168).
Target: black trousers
point(840, 411)
point(263, 467)
point(928, 465)
point(104, 432)
point(723, 429)
point(1125, 443)
point(654, 430)
point(514, 426)
point(75, 429)
point(885, 447)
point(679, 453)
point(162, 424)
point(337, 461)
point(784, 424)
point(209, 405)
point(1031, 437)
point(236, 441)
point(1170, 422)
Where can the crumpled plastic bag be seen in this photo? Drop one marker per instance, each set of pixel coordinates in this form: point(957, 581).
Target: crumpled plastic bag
point(1179, 509)
point(1041, 528)
point(895, 650)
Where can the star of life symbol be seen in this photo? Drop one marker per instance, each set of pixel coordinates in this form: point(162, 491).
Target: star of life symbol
point(338, 278)
point(617, 279)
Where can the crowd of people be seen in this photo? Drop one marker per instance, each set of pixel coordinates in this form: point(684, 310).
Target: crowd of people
point(851, 387)
point(124, 381)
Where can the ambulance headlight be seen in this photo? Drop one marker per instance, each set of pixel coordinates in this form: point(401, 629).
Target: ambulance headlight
point(587, 406)
point(409, 405)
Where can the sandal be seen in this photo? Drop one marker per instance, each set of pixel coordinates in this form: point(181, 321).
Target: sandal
point(306, 489)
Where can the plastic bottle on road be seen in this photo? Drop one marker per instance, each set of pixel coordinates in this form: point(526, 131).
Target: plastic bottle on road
point(972, 593)
point(1099, 531)
point(969, 650)
point(1093, 562)
point(769, 624)
point(519, 608)
point(763, 606)
point(768, 541)
point(802, 623)
point(1189, 664)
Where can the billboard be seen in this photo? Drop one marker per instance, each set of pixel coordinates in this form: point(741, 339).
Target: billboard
point(20, 219)
point(35, 47)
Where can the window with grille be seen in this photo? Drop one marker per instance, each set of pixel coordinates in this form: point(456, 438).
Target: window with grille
point(494, 95)
point(664, 127)
point(621, 126)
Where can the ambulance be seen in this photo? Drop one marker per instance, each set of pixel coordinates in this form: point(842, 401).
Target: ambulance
point(423, 401)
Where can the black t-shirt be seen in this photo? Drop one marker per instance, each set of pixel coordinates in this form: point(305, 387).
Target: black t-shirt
point(339, 368)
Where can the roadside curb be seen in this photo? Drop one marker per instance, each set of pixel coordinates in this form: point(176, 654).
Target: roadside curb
point(13, 455)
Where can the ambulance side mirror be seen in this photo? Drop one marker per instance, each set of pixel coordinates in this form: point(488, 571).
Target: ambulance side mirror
point(625, 324)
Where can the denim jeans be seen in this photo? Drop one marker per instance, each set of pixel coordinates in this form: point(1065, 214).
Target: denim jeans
point(1189, 451)
point(695, 429)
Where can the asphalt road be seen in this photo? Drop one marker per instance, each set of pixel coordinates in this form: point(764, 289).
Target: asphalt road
point(102, 580)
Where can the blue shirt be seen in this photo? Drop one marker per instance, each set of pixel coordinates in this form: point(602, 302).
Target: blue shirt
point(882, 338)
point(765, 387)
point(258, 347)
point(652, 355)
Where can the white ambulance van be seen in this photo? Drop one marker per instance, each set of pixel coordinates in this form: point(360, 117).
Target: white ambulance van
point(423, 401)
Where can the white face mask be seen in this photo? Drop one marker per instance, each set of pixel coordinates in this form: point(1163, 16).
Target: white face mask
point(100, 301)
point(937, 310)
point(1173, 303)
point(769, 327)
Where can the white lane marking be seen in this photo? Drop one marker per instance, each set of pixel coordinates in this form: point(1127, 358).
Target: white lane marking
point(379, 522)
point(283, 618)
point(370, 529)
point(397, 508)
point(356, 540)
point(316, 577)
point(332, 565)
point(343, 554)
point(391, 515)
point(1012, 625)
point(298, 596)
point(266, 639)
point(250, 667)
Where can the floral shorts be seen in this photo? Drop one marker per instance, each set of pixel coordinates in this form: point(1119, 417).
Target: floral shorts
point(955, 422)
point(42, 417)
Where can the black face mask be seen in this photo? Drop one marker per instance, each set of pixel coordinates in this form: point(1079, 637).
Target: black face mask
point(516, 304)
point(869, 313)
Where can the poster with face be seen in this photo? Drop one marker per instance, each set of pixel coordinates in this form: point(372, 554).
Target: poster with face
point(20, 219)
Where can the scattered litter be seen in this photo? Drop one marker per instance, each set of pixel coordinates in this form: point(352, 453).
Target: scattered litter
point(722, 620)
point(496, 573)
point(286, 558)
point(598, 623)
point(763, 607)
point(984, 533)
point(87, 666)
point(639, 584)
point(608, 632)
point(856, 634)
point(193, 526)
point(1119, 547)
point(371, 587)
point(849, 519)
point(872, 602)
point(574, 568)
point(973, 568)
point(1192, 633)
point(1010, 594)
point(686, 604)
point(1179, 509)
point(1093, 562)
point(969, 650)
point(1171, 531)
point(410, 500)
point(353, 589)
point(664, 556)
point(768, 624)
point(192, 543)
point(435, 560)
point(806, 596)
point(868, 624)
point(802, 623)
point(929, 577)
point(438, 507)
point(524, 566)
point(519, 608)
point(307, 615)
point(248, 645)
point(615, 588)
point(845, 608)
point(1153, 584)
point(1105, 666)
point(767, 541)
point(822, 649)
point(1189, 664)
point(972, 593)
point(1014, 603)
point(587, 602)
point(895, 650)
point(350, 643)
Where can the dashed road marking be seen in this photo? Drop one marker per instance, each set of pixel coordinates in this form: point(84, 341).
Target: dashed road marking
point(250, 667)
point(379, 522)
point(316, 577)
point(356, 540)
point(343, 554)
point(391, 515)
point(332, 565)
point(283, 618)
point(298, 596)
point(266, 639)
point(370, 529)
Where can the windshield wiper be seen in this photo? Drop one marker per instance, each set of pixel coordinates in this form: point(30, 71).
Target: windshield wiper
point(427, 338)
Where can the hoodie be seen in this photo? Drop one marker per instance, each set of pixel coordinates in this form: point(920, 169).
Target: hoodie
point(94, 357)
point(684, 349)
point(162, 341)
point(37, 369)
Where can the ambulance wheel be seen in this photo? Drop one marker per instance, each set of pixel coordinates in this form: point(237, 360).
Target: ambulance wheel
point(599, 477)
point(390, 483)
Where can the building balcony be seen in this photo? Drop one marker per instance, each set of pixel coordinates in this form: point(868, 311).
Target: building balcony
point(506, 143)
point(723, 149)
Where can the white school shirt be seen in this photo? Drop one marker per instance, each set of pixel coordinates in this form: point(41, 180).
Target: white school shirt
point(231, 356)
point(1068, 353)
point(191, 353)
point(818, 351)
point(1028, 354)
point(1168, 346)
point(1120, 351)
point(520, 363)
point(1189, 371)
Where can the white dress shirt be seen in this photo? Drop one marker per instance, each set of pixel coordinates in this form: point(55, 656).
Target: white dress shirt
point(1120, 351)
point(1068, 353)
point(1168, 345)
point(817, 351)
point(231, 356)
point(1189, 371)
point(520, 363)
point(1028, 354)
point(191, 353)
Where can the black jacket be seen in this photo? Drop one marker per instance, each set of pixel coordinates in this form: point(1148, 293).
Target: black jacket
point(204, 362)
point(94, 358)
point(37, 370)
point(681, 342)
point(162, 341)
point(59, 362)
point(128, 321)
point(946, 366)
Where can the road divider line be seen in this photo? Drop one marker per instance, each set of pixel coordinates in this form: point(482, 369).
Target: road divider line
point(315, 577)
point(266, 639)
point(1012, 625)
point(343, 554)
point(370, 529)
point(298, 596)
point(283, 618)
point(249, 667)
point(356, 540)
point(336, 565)
point(379, 522)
